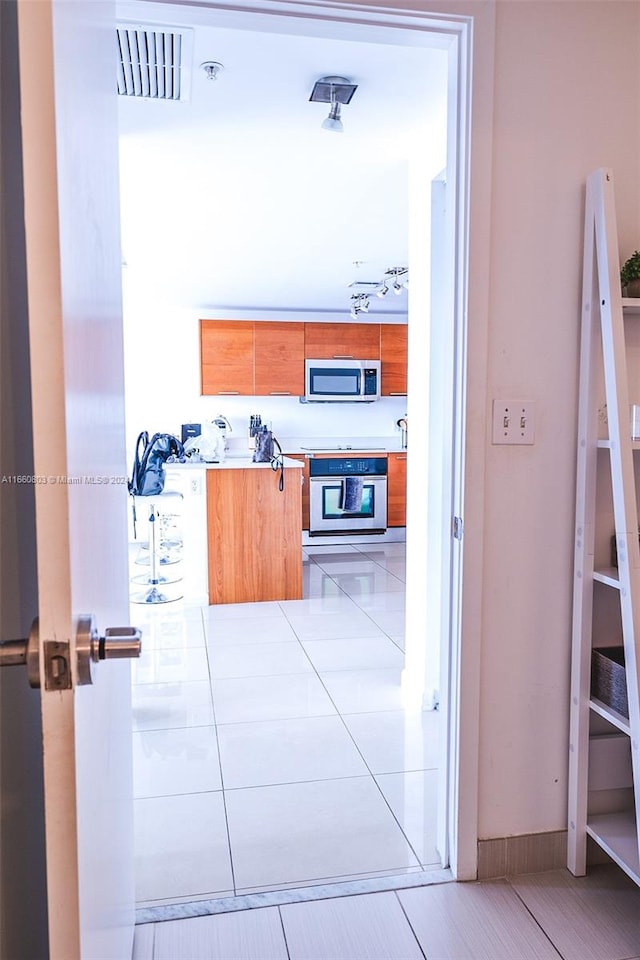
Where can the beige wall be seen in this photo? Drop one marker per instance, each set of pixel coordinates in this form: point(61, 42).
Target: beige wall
point(566, 102)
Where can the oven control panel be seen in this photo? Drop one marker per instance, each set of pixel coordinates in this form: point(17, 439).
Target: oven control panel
point(347, 466)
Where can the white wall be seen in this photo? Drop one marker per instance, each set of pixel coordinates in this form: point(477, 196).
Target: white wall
point(162, 359)
point(566, 102)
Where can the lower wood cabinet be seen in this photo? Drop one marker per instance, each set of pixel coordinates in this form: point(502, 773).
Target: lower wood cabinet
point(305, 486)
point(253, 535)
point(397, 490)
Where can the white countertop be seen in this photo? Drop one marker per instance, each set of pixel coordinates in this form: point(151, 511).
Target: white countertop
point(231, 462)
point(385, 444)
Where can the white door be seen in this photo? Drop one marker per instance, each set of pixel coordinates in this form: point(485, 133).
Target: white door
point(69, 131)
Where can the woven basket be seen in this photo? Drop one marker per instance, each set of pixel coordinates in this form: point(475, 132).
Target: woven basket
point(608, 678)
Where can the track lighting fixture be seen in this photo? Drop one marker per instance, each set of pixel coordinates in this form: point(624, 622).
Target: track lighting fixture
point(400, 276)
point(335, 91)
point(359, 304)
point(395, 278)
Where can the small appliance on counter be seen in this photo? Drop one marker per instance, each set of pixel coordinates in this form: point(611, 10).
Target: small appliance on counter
point(190, 430)
point(223, 426)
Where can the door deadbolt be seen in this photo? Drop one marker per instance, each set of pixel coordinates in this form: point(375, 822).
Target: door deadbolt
point(16, 652)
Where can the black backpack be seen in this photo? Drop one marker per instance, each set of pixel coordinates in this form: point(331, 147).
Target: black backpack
point(147, 478)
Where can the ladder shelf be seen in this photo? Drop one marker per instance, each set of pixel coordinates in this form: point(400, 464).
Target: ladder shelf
point(604, 756)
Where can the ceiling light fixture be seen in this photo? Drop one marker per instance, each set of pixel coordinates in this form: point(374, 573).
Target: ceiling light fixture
point(395, 278)
point(359, 304)
point(335, 91)
point(400, 277)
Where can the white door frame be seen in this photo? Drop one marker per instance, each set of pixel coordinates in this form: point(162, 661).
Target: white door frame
point(466, 28)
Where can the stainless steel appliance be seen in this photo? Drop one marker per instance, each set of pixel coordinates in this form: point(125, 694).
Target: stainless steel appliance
point(327, 476)
point(340, 380)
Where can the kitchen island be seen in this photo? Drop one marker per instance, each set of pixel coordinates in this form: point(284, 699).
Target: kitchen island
point(252, 550)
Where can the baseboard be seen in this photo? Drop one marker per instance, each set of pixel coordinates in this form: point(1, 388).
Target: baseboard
point(528, 853)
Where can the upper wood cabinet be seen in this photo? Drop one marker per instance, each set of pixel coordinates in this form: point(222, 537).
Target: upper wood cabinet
point(279, 358)
point(266, 358)
point(354, 341)
point(226, 357)
point(393, 354)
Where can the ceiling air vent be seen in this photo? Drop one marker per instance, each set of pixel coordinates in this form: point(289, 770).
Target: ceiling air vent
point(154, 62)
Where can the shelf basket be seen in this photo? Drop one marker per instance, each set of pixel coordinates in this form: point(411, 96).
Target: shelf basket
point(608, 678)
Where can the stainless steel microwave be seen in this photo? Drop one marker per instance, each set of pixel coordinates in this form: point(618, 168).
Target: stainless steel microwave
point(340, 380)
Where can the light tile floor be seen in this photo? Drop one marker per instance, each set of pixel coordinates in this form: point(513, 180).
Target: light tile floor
point(548, 916)
point(271, 749)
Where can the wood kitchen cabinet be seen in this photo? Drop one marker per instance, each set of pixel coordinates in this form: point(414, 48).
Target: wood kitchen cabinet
point(279, 358)
point(227, 357)
point(328, 341)
point(305, 486)
point(253, 535)
point(397, 489)
point(393, 354)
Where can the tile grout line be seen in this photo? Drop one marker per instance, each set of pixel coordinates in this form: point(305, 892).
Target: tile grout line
point(284, 932)
point(224, 794)
point(406, 916)
point(532, 915)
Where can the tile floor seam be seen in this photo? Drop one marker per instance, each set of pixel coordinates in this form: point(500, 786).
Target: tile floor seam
point(284, 932)
point(224, 798)
point(532, 915)
point(406, 916)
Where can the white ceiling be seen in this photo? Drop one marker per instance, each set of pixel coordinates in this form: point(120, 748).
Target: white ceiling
point(237, 199)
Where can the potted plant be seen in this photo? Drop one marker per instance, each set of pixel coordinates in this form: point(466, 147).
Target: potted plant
point(630, 275)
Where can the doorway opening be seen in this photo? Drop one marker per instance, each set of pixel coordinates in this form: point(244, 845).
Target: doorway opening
point(161, 335)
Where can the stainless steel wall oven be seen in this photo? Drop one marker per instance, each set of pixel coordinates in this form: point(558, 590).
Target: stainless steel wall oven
point(347, 495)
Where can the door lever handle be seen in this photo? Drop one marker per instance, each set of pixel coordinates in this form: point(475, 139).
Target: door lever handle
point(118, 643)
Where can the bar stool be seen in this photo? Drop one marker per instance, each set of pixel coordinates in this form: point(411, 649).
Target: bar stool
point(154, 580)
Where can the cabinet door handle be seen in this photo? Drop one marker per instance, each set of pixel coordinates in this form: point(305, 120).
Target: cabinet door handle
point(228, 393)
point(400, 457)
point(280, 393)
point(397, 393)
point(343, 356)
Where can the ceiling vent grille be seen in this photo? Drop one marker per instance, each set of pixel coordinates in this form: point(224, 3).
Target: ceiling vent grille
point(154, 62)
